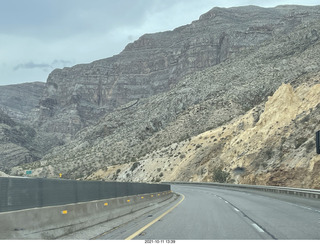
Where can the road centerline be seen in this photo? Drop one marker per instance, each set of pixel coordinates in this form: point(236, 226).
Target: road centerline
point(257, 227)
point(155, 220)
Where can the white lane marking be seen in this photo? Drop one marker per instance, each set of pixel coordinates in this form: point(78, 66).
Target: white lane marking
point(225, 201)
point(155, 220)
point(300, 206)
point(257, 227)
point(236, 209)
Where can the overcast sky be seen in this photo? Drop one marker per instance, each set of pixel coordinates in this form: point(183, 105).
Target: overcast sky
point(37, 36)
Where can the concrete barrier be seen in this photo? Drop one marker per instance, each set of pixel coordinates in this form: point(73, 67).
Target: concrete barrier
point(24, 193)
point(55, 221)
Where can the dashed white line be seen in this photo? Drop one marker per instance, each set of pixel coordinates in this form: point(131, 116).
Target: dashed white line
point(257, 227)
point(297, 205)
point(225, 201)
point(236, 209)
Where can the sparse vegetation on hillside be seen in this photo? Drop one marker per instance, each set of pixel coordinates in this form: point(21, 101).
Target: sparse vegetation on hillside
point(220, 175)
point(246, 116)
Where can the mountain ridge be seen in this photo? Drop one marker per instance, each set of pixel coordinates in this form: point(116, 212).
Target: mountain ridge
point(155, 62)
point(206, 90)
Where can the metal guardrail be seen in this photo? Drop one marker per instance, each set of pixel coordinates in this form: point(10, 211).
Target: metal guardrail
point(307, 193)
point(24, 193)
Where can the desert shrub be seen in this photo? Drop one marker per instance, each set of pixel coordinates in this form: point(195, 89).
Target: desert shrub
point(182, 156)
point(300, 141)
point(220, 175)
point(134, 166)
point(198, 146)
point(310, 146)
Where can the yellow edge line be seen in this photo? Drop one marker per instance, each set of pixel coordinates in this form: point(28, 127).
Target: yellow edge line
point(155, 220)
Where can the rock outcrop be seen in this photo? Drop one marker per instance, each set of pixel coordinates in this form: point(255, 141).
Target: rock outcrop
point(21, 141)
point(14, 138)
point(21, 101)
point(76, 97)
point(272, 144)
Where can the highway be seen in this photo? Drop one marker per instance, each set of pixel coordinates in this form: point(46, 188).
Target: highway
point(211, 213)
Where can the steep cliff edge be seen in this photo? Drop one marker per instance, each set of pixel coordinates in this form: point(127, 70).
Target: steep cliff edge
point(160, 127)
point(21, 101)
point(15, 139)
point(21, 141)
point(278, 148)
point(204, 102)
point(78, 96)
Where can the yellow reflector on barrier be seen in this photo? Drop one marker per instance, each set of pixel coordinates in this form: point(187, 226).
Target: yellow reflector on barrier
point(128, 200)
point(151, 195)
point(142, 197)
point(64, 211)
point(105, 204)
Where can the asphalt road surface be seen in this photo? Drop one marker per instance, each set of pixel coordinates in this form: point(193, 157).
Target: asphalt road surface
point(210, 213)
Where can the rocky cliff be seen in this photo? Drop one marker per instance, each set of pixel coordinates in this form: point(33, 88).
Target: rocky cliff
point(272, 144)
point(21, 101)
point(201, 112)
point(20, 140)
point(20, 143)
point(76, 97)
point(14, 138)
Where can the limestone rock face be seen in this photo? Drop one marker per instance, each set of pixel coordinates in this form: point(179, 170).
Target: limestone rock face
point(21, 101)
point(20, 140)
point(13, 139)
point(76, 97)
point(185, 104)
point(18, 108)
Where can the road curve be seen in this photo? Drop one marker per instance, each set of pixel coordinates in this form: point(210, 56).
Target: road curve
point(210, 213)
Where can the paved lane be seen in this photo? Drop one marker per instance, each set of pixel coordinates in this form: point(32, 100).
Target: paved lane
point(215, 213)
point(209, 213)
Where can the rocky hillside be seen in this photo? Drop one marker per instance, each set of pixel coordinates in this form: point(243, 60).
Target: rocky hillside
point(14, 138)
point(275, 148)
point(215, 124)
point(155, 63)
point(20, 140)
point(193, 104)
point(20, 143)
point(21, 101)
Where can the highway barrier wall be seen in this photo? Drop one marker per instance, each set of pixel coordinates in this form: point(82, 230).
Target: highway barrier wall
point(62, 218)
point(23, 193)
point(306, 193)
point(57, 221)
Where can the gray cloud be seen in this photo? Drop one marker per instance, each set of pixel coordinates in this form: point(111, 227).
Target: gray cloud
point(43, 66)
point(48, 19)
point(61, 62)
point(31, 65)
point(37, 36)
